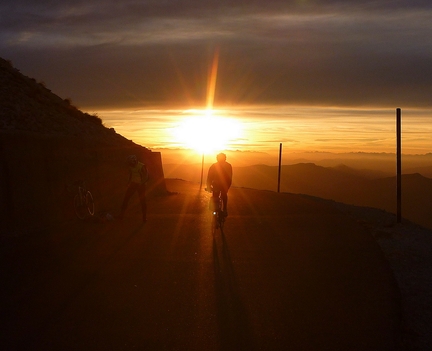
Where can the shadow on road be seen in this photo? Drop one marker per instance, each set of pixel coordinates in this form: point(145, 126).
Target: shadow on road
point(233, 320)
point(28, 319)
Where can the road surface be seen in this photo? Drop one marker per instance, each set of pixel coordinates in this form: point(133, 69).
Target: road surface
point(287, 273)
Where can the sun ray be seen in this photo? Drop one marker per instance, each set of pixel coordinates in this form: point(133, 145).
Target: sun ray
point(211, 88)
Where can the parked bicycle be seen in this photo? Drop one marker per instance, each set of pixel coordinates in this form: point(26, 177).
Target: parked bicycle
point(83, 200)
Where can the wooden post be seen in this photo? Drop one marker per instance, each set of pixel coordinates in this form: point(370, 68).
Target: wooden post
point(399, 164)
point(202, 170)
point(280, 164)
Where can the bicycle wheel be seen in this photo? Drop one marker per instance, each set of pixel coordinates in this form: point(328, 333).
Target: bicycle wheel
point(221, 219)
point(90, 203)
point(213, 222)
point(80, 209)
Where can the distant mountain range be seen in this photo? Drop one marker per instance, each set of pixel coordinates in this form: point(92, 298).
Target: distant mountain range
point(341, 183)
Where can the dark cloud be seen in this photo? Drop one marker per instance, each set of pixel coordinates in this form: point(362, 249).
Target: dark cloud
point(106, 53)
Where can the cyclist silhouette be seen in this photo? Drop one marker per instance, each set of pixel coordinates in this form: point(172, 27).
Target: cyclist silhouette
point(219, 180)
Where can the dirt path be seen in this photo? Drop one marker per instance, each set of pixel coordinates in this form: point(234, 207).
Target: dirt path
point(286, 273)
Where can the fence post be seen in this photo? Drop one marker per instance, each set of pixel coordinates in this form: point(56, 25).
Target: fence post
point(202, 170)
point(399, 164)
point(280, 164)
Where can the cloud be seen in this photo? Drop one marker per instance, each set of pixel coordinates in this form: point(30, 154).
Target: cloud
point(157, 53)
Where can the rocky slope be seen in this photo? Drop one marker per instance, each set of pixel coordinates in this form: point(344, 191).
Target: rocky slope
point(46, 144)
point(26, 105)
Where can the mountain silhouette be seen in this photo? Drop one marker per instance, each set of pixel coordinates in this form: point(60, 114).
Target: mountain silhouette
point(339, 183)
point(347, 185)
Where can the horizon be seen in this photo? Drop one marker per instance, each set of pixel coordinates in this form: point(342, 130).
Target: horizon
point(263, 129)
point(174, 160)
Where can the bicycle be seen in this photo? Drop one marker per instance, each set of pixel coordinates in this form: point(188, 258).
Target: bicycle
point(218, 216)
point(83, 201)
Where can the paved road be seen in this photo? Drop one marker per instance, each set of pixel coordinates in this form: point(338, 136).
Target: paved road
point(287, 273)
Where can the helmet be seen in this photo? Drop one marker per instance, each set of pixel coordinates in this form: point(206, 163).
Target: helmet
point(221, 157)
point(132, 160)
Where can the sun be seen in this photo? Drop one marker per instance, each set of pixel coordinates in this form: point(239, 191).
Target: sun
point(207, 132)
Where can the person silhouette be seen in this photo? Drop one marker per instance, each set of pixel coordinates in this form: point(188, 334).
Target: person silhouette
point(138, 176)
point(219, 180)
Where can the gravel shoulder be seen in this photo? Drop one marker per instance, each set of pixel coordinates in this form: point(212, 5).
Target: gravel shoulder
point(407, 247)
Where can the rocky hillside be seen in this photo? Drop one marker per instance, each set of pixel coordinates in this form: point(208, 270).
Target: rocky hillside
point(26, 105)
point(46, 144)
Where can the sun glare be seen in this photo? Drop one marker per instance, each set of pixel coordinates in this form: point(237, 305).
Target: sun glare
point(207, 133)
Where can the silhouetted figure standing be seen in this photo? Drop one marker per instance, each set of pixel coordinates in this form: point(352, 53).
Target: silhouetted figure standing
point(138, 176)
point(219, 180)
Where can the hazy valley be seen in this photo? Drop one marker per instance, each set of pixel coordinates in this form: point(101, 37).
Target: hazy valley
point(361, 187)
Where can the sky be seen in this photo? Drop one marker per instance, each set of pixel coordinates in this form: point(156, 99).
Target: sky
point(323, 75)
